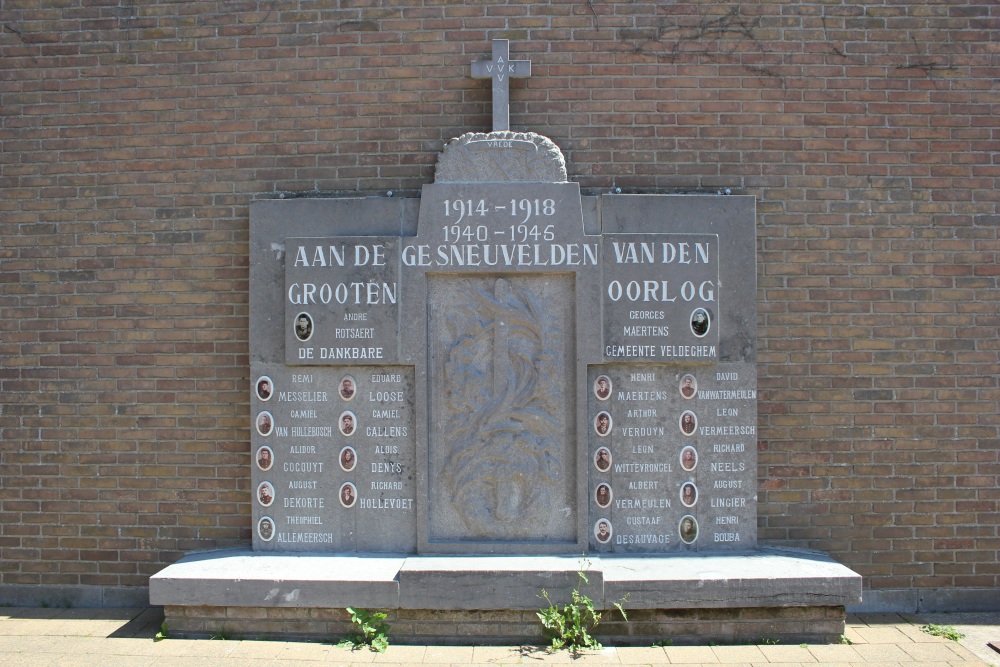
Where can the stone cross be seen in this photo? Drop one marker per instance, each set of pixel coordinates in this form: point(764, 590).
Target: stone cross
point(501, 69)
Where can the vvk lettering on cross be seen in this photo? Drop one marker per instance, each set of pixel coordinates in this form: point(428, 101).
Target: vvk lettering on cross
point(501, 69)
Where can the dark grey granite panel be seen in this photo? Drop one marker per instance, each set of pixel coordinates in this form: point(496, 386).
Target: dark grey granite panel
point(682, 447)
point(342, 300)
point(337, 468)
point(661, 297)
point(274, 220)
point(733, 220)
point(591, 215)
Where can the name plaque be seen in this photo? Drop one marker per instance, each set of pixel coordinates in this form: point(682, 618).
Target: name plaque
point(673, 460)
point(334, 458)
point(653, 283)
point(342, 300)
point(504, 368)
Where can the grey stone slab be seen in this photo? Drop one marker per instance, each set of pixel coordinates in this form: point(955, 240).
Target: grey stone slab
point(764, 578)
point(333, 489)
point(733, 219)
point(136, 596)
point(343, 300)
point(661, 478)
point(661, 300)
point(886, 600)
point(344, 216)
point(960, 599)
point(272, 221)
point(492, 582)
point(240, 577)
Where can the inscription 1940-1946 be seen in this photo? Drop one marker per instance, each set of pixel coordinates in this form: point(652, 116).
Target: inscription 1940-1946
point(501, 379)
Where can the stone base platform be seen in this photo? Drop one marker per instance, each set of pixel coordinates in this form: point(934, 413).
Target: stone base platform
point(767, 594)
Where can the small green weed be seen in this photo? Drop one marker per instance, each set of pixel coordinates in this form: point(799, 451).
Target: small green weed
point(221, 634)
point(945, 631)
point(570, 626)
point(663, 643)
point(374, 632)
point(845, 640)
point(770, 641)
point(162, 634)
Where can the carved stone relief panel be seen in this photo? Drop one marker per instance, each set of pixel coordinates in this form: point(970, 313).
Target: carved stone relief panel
point(501, 367)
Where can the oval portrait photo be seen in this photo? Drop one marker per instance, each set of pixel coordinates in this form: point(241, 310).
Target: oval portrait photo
point(603, 495)
point(347, 423)
point(602, 531)
point(688, 386)
point(688, 422)
point(602, 388)
point(265, 423)
point(688, 529)
point(303, 326)
point(700, 322)
point(265, 494)
point(347, 387)
point(348, 459)
point(265, 458)
point(265, 528)
point(348, 494)
point(602, 423)
point(689, 494)
point(602, 459)
point(689, 458)
point(264, 388)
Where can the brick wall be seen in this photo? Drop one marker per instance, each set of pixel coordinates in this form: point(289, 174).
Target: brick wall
point(747, 625)
point(135, 135)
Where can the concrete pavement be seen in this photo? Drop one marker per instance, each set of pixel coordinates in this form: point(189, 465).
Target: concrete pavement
point(125, 638)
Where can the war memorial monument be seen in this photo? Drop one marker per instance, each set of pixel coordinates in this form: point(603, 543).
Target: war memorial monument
point(461, 399)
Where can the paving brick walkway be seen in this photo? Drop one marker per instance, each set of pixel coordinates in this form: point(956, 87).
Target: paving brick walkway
point(124, 637)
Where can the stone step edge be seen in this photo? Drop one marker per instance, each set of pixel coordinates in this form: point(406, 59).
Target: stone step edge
point(765, 577)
